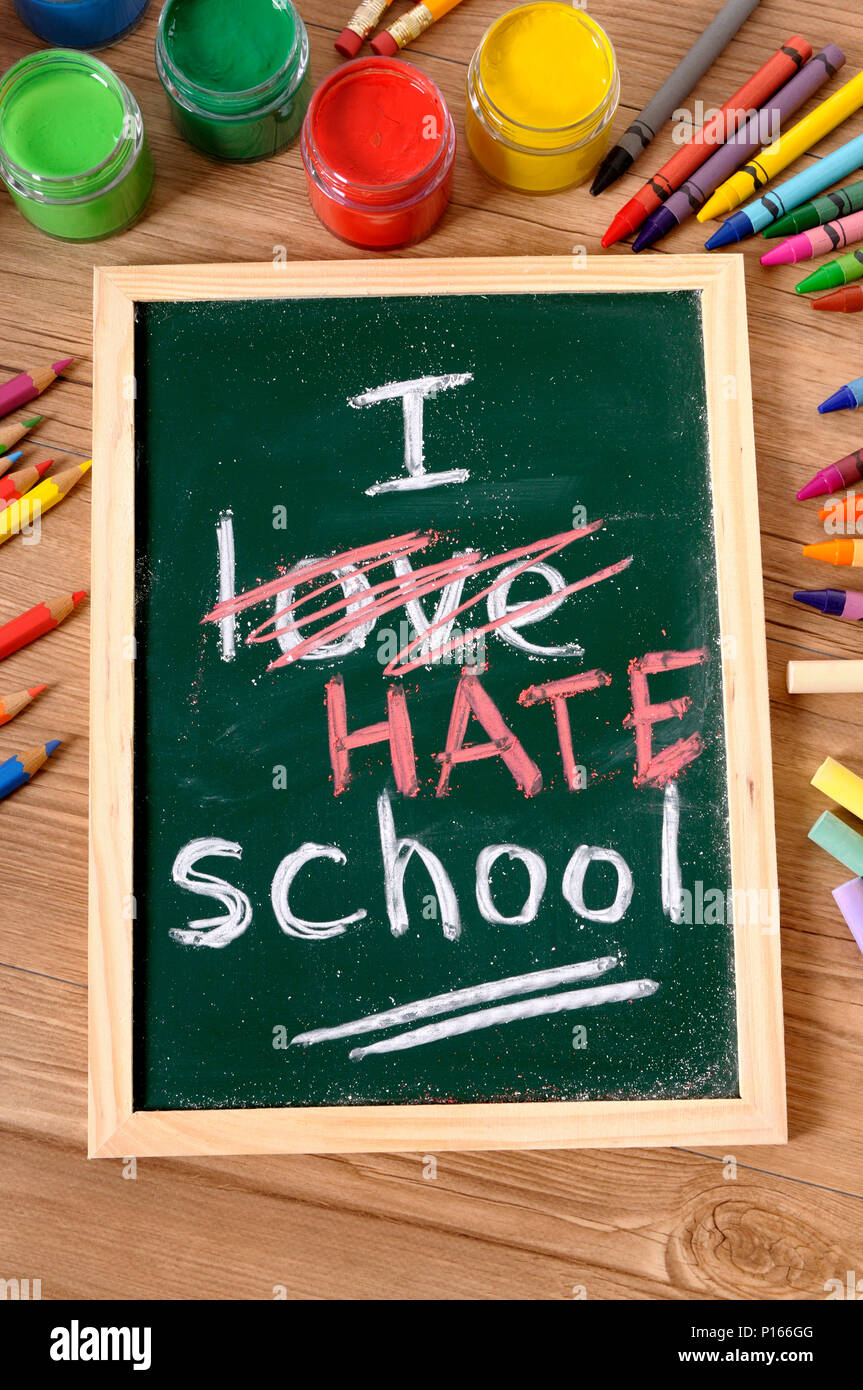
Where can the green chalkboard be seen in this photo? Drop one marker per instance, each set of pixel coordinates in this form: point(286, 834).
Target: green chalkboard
point(260, 443)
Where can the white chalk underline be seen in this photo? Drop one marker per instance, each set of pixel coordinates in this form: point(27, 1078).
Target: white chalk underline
point(510, 1013)
point(461, 998)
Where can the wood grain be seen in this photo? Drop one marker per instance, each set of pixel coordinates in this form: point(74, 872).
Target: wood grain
point(632, 1224)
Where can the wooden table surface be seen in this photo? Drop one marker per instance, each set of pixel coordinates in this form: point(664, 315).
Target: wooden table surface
point(775, 1222)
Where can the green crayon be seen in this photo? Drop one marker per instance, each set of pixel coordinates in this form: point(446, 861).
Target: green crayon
point(818, 211)
point(842, 271)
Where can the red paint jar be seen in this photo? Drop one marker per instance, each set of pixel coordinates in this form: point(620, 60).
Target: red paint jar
point(378, 143)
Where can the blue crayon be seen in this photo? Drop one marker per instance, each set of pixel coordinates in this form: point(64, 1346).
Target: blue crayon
point(790, 194)
point(20, 768)
point(848, 397)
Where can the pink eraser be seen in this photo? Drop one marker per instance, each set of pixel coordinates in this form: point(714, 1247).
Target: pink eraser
point(348, 43)
point(384, 44)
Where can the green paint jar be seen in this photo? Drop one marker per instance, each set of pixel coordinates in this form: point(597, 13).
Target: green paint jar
point(237, 75)
point(73, 152)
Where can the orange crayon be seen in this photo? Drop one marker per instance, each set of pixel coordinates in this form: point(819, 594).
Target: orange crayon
point(848, 510)
point(838, 552)
point(10, 705)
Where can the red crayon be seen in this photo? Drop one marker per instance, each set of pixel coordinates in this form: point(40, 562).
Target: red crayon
point(14, 485)
point(36, 622)
point(834, 477)
point(757, 90)
point(28, 385)
point(848, 300)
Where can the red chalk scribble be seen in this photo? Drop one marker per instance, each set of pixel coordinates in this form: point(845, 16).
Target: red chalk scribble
point(556, 693)
point(656, 770)
point(472, 699)
point(395, 729)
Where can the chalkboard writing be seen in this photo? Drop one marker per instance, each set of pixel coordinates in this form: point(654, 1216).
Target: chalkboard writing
point(430, 776)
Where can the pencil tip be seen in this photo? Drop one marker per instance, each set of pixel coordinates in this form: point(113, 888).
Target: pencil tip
point(36, 690)
point(58, 367)
point(78, 595)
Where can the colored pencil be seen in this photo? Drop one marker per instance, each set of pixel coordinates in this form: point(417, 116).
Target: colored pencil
point(673, 92)
point(14, 485)
point(11, 432)
point(790, 194)
point(840, 203)
point(365, 18)
point(10, 705)
point(19, 769)
point(742, 146)
point(28, 385)
point(409, 26)
point(833, 274)
point(44, 617)
point(763, 84)
point(43, 497)
point(845, 231)
point(848, 300)
point(790, 145)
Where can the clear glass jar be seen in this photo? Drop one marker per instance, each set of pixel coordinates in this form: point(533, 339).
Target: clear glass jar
point(211, 105)
point(555, 61)
point(73, 152)
point(81, 23)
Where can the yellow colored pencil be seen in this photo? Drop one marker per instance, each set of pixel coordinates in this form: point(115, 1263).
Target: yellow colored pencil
point(790, 145)
point(40, 499)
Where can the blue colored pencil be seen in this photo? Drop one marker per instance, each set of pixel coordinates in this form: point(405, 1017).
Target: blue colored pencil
point(20, 768)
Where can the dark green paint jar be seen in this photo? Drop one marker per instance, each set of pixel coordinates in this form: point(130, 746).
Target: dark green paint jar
point(237, 75)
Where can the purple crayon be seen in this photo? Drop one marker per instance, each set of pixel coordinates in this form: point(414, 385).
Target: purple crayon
point(833, 603)
point(844, 473)
point(746, 142)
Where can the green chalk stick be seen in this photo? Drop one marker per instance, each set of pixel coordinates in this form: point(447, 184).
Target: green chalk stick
point(840, 840)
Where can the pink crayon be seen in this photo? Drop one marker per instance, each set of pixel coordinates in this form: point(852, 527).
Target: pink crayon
point(818, 241)
point(834, 477)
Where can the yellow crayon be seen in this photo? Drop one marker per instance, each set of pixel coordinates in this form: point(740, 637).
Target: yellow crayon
point(790, 145)
point(40, 499)
point(841, 785)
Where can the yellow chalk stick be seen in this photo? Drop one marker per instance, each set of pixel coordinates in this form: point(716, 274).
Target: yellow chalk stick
point(840, 784)
point(824, 677)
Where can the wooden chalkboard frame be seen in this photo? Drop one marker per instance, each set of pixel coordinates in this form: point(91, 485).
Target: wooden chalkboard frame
point(115, 1127)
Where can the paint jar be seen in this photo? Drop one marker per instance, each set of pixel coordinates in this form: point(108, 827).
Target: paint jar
point(81, 23)
point(73, 152)
point(237, 75)
point(378, 144)
point(542, 90)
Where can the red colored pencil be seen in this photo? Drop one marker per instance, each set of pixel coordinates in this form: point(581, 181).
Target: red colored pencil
point(36, 622)
point(14, 485)
point(28, 385)
point(13, 704)
point(848, 300)
point(759, 88)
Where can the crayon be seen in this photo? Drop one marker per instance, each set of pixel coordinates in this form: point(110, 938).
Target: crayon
point(790, 145)
point(848, 397)
point(409, 26)
point(844, 473)
point(12, 431)
point(673, 92)
point(788, 194)
point(14, 485)
point(19, 769)
point(42, 498)
point(833, 835)
point(840, 203)
point(745, 143)
point(28, 385)
point(44, 617)
point(833, 603)
point(10, 705)
point(781, 66)
point(839, 552)
point(846, 511)
point(845, 231)
point(843, 271)
point(842, 785)
point(366, 17)
point(824, 677)
point(849, 900)
point(845, 301)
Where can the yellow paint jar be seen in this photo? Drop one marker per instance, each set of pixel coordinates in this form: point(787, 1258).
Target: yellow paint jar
point(542, 90)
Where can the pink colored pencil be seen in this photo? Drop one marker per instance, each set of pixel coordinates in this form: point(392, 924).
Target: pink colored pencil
point(818, 241)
